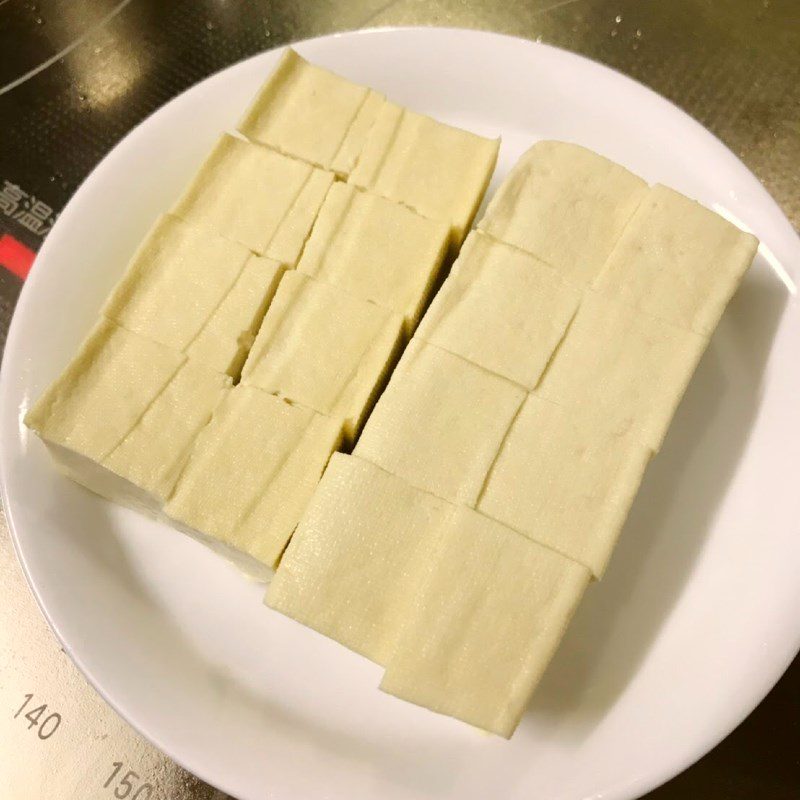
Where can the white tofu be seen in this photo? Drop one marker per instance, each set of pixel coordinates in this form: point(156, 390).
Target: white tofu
point(566, 205)
point(324, 349)
point(440, 171)
point(356, 559)
point(307, 112)
point(565, 482)
point(440, 422)
point(376, 250)
point(501, 309)
point(678, 261)
point(484, 623)
point(257, 197)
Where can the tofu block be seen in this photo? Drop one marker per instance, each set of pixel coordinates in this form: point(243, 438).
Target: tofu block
point(440, 422)
point(484, 624)
point(622, 367)
point(440, 171)
point(356, 559)
point(307, 112)
point(501, 309)
point(565, 482)
point(257, 197)
point(376, 250)
point(566, 205)
point(678, 261)
point(250, 475)
point(324, 349)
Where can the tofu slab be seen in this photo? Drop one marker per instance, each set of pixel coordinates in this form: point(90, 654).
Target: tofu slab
point(484, 624)
point(324, 349)
point(356, 559)
point(440, 422)
point(678, 261)
point(501, 309)
point(623, 368)
point(257, 197)
point(310, 113)
point(566, 205)
point(250, 475)
point(440, 171)
point(565, 482)
point(376, 250)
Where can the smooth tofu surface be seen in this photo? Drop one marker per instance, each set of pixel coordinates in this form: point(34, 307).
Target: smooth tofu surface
point(440, 422)
point(257, 197)
point(356, 559)
point(678, 261)
point(505, 311)
point(229, 333)
point(484, 624)
point(322, 348)
point(623, 367)
point(251, 472)
point(376, 250)
point(565, 482)
point(566, 205)
point(310, 113)
point(104, 391)
point(439, 171)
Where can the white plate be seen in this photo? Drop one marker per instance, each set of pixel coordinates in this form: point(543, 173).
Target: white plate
point(696, 618)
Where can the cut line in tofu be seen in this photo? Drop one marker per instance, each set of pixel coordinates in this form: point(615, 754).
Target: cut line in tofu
point(440, 422)
point(355, 561)
point(310, 113)
point(566, 205)
point(322, 348)
point(501, 309)
point(484, 624)
point(678, 261)
point(250, 474)
point(256, 196)
point(440, 171)
point(376, 249)
point(563, 481)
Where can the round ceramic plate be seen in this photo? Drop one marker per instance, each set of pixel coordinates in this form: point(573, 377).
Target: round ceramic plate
point(696, 617)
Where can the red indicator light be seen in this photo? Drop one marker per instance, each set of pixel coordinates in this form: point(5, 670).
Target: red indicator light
point(15, 257)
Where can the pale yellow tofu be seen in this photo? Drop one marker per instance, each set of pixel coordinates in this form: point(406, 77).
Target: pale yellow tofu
point(310, 113)
point(566, 205)
point(440, 422)
point(257, 197)
point(324, 349)
point(250, 475)
point(440, 171)
point(622, 367)
point(356, 559)
point(678, 261)
point(565, 482)
point(484, 623)
point(229, 333)
point(376, 249)
point(501, 309)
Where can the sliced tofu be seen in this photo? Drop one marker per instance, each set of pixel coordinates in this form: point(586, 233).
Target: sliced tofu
point(501, 309)
point(623, 368)
point(440, 422)
point(484, 623)
point(566, 205)
point(678, 261)
point(355, 562)
point(257, 197)
point(307, 112)
point(440, 171)
point(324, 349)
point(565, 482)
point(250, 475)
point(376, 250)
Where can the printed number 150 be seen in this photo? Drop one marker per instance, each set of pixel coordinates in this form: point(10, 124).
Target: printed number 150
point(127, 784)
